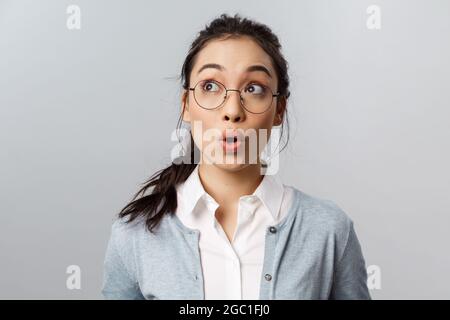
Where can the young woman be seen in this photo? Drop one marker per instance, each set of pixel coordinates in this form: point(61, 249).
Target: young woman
point(221, 229)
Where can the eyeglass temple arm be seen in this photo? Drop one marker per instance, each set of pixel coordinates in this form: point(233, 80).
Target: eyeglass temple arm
point(286, 95)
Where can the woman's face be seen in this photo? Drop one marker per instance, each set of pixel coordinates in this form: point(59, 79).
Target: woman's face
point(230, 60)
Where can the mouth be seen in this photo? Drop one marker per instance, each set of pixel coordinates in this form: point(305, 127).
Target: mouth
point(231, 141)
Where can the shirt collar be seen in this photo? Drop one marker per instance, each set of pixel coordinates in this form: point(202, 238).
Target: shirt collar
point(269, 192)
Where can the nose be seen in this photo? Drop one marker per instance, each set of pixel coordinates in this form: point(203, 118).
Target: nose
point(232, 109)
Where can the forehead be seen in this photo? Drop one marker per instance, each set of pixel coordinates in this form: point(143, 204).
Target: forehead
point(234, 54)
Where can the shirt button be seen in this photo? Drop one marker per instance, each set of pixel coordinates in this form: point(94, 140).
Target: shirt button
point(273, 229)
point(268, 277)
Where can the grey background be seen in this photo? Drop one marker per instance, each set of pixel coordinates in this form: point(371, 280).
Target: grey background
point(86, 116)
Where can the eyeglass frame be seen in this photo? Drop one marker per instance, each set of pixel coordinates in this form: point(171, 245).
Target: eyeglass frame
point(240, 96)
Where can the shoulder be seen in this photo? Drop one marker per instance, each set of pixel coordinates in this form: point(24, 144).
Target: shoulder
point(124, 234)
point(123, 229)
point(131, 237)
point(321, 216)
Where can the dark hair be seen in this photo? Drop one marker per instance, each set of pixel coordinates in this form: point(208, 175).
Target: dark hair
point(163, 198)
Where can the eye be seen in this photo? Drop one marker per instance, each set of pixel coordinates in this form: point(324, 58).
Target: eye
point(210, 86)
point(255, 89)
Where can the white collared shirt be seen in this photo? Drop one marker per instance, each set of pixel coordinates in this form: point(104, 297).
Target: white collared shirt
point(232, 270)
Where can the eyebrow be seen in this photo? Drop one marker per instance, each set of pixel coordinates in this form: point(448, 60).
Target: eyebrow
point(222, 68)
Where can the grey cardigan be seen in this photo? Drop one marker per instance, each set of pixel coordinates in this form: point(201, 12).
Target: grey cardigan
point(313, 253)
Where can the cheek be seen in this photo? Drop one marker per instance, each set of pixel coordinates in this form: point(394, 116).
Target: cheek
point(202, 121)
point(206, 117)
point(263, 122)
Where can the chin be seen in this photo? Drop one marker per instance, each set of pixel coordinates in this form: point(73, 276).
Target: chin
point(231, 162)
point(231, 167)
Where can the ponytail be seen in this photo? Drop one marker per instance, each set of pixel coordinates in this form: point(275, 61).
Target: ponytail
point(163, 198)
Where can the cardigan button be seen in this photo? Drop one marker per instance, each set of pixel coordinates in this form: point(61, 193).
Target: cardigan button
point(273, 229)
point(268, 277)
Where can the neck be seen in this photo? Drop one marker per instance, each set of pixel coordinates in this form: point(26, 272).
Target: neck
point(226, 186)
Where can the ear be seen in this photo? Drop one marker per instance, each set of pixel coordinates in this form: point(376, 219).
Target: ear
point(279, 115)
point(185, 106)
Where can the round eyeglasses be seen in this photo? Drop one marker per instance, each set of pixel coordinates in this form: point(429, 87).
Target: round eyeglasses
point(255, 97)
